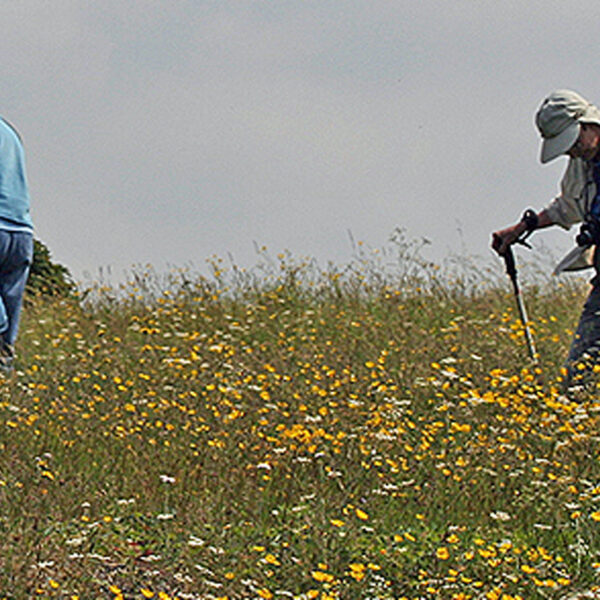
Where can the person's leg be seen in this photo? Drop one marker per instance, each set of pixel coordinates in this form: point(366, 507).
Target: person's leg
point(13, 277)
point(585, 347)
point(5, 242)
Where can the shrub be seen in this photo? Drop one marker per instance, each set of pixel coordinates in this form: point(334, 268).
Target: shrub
point(47, 278)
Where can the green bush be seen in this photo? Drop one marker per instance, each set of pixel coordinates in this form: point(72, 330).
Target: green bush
point(47, 278)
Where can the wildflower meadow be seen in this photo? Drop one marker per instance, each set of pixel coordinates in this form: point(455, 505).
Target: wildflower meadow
point(375, 431)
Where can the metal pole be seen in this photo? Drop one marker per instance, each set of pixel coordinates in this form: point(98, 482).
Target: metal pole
point(511, 269)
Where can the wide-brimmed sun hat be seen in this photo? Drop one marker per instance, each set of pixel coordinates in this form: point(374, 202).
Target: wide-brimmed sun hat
point(558, 120)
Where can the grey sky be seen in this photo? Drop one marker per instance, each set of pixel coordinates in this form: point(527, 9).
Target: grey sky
point(168, 131)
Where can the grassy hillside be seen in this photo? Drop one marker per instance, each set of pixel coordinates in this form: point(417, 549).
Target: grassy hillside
point(368, 432)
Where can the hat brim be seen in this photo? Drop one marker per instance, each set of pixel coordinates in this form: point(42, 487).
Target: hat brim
point(559, 144)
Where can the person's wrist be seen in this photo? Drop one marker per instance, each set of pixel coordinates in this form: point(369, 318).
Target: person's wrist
point(521, 228)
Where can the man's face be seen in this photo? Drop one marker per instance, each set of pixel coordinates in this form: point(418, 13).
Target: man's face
point(587, 144)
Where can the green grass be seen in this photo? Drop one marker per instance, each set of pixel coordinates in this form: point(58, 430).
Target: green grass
point(369, 432)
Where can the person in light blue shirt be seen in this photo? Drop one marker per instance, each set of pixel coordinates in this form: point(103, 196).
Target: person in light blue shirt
point(16, 239)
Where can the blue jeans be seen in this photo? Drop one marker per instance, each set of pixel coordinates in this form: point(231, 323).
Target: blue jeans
point(16, 256)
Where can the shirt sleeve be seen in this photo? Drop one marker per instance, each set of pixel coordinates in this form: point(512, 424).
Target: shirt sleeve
point(566, 210)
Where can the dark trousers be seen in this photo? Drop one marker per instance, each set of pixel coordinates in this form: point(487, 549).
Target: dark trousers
point(585, 347)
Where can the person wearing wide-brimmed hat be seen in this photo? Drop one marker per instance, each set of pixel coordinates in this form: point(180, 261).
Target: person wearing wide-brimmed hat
point(570, 125)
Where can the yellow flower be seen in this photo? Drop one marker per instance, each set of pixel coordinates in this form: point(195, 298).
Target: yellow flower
point(147, 593)
point(442, 553)
point(361, 514)
point(265, 593)
point(322, 577)
point(272, 560)
point(357, 571)
point(527, 569)
point(596, 515)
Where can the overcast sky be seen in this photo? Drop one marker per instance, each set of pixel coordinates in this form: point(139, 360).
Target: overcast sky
point(165, 132)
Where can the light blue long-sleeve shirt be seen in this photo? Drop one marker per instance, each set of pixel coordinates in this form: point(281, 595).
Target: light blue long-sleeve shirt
point(14, 191)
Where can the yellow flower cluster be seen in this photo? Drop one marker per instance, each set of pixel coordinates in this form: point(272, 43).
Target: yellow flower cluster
point(329, 439)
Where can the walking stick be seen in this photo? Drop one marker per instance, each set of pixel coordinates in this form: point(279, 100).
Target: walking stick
point(530, 220)
point(511, 269)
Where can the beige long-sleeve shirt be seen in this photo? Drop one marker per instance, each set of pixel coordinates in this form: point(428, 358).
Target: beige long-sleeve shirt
point(577, 193)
